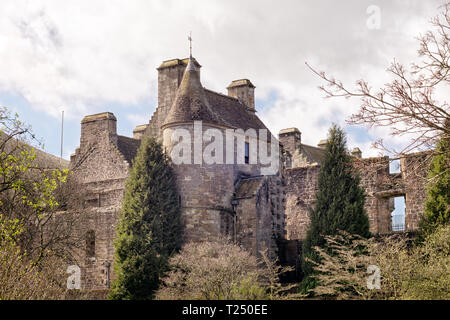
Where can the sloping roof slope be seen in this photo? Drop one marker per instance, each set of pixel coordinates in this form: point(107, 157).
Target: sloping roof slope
point(314, 154)
point(128, 147)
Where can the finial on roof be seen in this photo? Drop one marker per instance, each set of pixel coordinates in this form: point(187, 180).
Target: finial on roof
point(191, 65)
point(190, 44)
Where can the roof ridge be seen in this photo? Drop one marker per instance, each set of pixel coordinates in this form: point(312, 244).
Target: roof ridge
point(304, 144)
point(129, 137)
point(223, 95)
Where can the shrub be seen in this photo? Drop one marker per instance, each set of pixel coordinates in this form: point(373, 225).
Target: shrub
point(220, 270)
point(407, 271)
point(22, 279)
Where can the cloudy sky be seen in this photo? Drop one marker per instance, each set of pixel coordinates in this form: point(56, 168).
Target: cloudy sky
point(86, 57)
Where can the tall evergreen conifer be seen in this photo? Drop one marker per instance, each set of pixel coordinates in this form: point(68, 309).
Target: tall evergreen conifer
point(149, 227)
point(437, 206)
point(339, 201)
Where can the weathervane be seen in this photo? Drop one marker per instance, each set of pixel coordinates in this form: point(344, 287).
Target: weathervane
point(190, 44)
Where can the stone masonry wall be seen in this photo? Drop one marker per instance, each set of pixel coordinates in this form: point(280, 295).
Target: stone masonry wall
point(414, 171)
point(301, 187)
point(380, 186)
point(102, 170)
point(207, 196)
point(205, 190)
point(260, 217)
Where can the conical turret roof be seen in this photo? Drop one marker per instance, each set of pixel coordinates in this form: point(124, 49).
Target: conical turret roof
point(190, 102)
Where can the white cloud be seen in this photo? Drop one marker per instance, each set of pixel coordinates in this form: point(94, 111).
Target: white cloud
point(82, 55)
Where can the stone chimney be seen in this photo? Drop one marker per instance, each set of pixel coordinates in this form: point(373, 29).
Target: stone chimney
point(290, 139)
point(138, 132)
point(322, 143)
point(98, 126)
point(243, 90)
point(356, 152)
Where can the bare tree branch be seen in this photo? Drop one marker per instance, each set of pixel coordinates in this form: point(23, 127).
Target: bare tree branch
point(407, 104)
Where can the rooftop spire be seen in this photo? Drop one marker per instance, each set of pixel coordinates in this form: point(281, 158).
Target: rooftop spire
point(190, 44)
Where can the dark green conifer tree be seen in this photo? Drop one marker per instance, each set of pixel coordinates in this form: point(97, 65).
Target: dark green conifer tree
point(149, 228)
point(437, 206)
point(339, 201)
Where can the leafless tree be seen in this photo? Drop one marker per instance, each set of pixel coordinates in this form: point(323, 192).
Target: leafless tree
point(407, 104)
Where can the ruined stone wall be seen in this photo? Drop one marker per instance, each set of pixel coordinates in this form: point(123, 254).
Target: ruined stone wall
point(260, 217)
point(301, 188)
point(415, 169)
point(380, 186)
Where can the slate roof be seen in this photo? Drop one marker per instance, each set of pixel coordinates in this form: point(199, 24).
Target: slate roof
point(128, 147)
point(233, 113)
point(43, 159)
point(313, 153)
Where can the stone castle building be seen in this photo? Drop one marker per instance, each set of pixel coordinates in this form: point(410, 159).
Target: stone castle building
point(231, 199)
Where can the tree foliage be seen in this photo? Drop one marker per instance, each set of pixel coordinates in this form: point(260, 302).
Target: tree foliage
point(339, 203)
point(34, 190)
point(149, 229)
point(37, 238)
point(437, 206)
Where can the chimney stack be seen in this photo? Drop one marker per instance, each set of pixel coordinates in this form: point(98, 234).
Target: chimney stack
point(322, 143)
point(243, 90)
point(291, 139)
point(356, 152)
point(139, 131)
point(98, 126)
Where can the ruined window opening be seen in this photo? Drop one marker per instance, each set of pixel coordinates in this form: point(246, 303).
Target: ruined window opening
point(90, 244)
point(247, 153)
point(398, 214)
point(394, 166)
